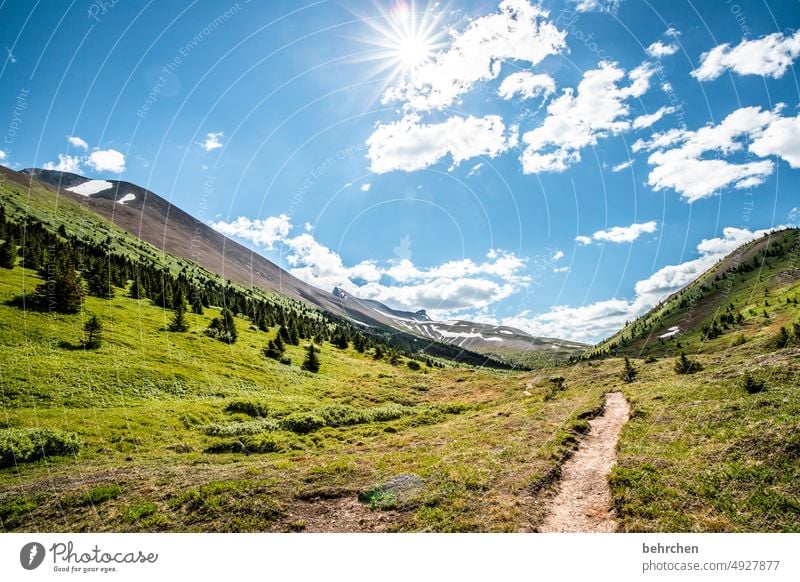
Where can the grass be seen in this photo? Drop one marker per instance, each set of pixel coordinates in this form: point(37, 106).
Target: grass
point(160, 431)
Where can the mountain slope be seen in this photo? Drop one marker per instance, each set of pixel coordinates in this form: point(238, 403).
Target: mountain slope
point(154, 220)
point(750, 293)
point(501, 341)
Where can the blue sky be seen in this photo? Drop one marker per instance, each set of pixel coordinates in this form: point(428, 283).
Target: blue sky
point(557, 166)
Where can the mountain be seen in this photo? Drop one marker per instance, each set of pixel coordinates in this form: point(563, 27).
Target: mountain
point(748, 295)
point(504, 342)
point(155, 220)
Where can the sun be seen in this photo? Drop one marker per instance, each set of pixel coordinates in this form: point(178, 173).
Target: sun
point(404, 38)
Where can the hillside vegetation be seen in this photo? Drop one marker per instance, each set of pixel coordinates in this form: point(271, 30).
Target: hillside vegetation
point(115, 418)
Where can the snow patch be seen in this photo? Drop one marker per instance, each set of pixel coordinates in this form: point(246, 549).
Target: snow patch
point(91, 187)
point(127, 198)
point(671, 332)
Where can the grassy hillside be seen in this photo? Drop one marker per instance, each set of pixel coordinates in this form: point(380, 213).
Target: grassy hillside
point(748, 295)
point(169, 431)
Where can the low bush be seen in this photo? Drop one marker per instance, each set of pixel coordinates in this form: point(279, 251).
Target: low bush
point(302, 422)
point(227, 429)
point(27, 445)
point(752, 385)
point(248, 407)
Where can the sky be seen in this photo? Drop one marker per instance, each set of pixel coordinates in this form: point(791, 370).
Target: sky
point(558, 166)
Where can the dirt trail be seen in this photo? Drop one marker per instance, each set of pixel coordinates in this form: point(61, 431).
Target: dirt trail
point(583, 503)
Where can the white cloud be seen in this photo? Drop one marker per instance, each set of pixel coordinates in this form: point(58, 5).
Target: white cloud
point(526, 85)
point(577, 119)
point(2, 155)
point(647, 120)
point(77, 142)
point(264, 233)
point(212, 141)
point(680, 165)
point(518, 31)
point(625, 234)
point(592, 322)
point(557, 256)
point(658, 49)
point(308, 227)
point(622, 166)
point(475, 169)
point(583, 240)
point(597, 5)
point(781, 138)
point(366, 187)
point(769, 56)
point(673, 32)
point(106, 161)
point(560, 269)
point(794, 214)
point(409, 145)
point(65, 163)
point(446, 288)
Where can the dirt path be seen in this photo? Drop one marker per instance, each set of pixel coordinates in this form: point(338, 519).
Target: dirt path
point(583, 503)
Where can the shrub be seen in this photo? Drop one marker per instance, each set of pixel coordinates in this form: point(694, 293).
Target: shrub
point(286, 360)
point(94, 333)
point(686, 366)
point(413, 365)
point(228, 429)
point(302, 422)
point(752, 385)
point(628, 371)
point(343, 415)
point(390, 412)
point(248, 407)
point(27, 445)
point(781, 340)
point(99, 495)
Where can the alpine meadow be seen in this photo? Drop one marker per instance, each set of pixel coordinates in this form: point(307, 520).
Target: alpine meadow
point(400, 267)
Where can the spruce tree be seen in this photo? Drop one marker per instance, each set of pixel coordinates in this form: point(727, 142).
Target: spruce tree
point(628, 372)
point(99, 280)
point(94, 330)
point(179, 322)
point(8, 254)
point(311, 363)
point(223, 328)
point(62, 291)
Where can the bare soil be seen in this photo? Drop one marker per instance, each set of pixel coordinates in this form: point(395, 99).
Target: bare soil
point(583, 502)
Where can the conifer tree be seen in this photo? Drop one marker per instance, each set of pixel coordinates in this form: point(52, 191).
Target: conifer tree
point(8, 254)
point(62, 291)
point(311, 363)
point(179, 322)
point(94, 330)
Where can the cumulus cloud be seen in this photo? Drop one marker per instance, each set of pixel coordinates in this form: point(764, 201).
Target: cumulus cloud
point(109, 160)
point(560, 269)
point(679, 155)
point(558, 255)
point(597, 5)
point(526, 85)
point(410, 145)
point(625, 234)
point(621, 166)
point(365, 187)
point(583, 240)
point(65, 163)
point(589, 323)
point(2, 155)
point(578, 118)
point(658, 49)
point(212, 141)
point(262, 232)
point(443, 289)
point(519, 31)
point(647, 120)
point(770, 56)
point(77, 142)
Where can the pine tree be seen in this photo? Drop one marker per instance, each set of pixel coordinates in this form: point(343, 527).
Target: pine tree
point(197, 303)
point(628, 372)
point(223, 328)
point(294, 338)
point(378, 353)
point(686, 366)
point(311, 363)
point(62, 291)
point(272, 351)
point(99, 280)
point(279, 344)
point(8, 254)
point(94, 330)
point(179, 322)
